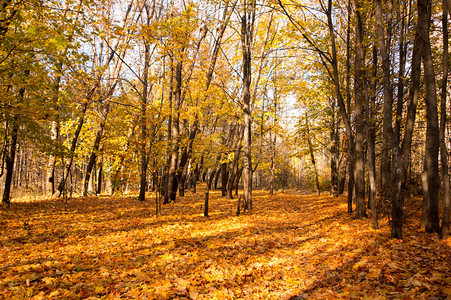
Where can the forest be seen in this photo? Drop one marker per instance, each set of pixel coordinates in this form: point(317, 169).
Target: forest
point(191, 149)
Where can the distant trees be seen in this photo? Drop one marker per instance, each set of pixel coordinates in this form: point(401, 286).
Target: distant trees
point(373, 81)
point(137, 90)
point(159, 95)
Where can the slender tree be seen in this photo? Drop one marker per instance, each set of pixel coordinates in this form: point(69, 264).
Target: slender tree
point(359, 69)
point(247, 28)
point(144, 96)
point(443, 149)
point(430, 208)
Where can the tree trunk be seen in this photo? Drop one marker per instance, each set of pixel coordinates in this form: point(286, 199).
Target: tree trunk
point(158, 193)
point(359, 162)
point(444, 233)
point(182, 184)
point(175, 176)
point(236, 157)
point(165, 178)
point(144, 157)
point(384, 46)
point(389, 141)
point(186, 154)
point(397, 173)
point(207, 193)
point(432, 128)
point(175, 131)
point(401, 157)
point(247, 27)
point(174, 172)
point(54, 133)
point(341, 104)
point(334, 152)
point(224, 179)
point(10, 156)
point(237, 180)
point(97, 140)
point(273, 158)
point(81, 120)
point(312, 156)
point(216, 179)
point(371, 147)
point(52, 160)
point(349, 138)
point(196, 174)
point(118, 167)
point(341, 187)
point(402, 65)
point(99, 178)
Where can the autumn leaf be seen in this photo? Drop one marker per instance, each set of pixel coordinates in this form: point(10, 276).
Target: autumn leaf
point(272, 253)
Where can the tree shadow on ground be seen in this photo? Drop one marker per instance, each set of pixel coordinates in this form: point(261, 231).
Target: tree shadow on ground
point(288, 246)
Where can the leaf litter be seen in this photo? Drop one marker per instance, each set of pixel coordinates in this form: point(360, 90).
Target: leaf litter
point(290, 246)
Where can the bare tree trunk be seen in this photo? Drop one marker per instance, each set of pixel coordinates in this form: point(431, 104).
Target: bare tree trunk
point(10, 156)
point(371, 147)
point(359, 163)
point(401, 157)
point(99, 178)
point(402, 65)
point(207, 193)
point(397, 173)
point(165, 178)
point(10, 149)
point(273, 158)
point(384, 46)
point(237, 180)
point(52, 160)
point(341, 105)
point(236, 157)
point(334, 152)
point(312, 156)
point(224, 178)
point(175, 131)
point(444, 233)
point(345, 117)
point(432, 128)
point(247, 28)
point(54, 134)
point(413, 95)
point(145, 82)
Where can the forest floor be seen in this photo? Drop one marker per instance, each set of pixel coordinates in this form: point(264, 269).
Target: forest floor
point(290, 246)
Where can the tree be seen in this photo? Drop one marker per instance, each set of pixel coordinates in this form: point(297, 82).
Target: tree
point(388, 138)
point(25, 49)
point(247, 28)
point(359, 66)
point(430, 207)
point(443, 149)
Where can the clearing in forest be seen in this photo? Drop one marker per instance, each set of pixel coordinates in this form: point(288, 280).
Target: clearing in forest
point(290, 246)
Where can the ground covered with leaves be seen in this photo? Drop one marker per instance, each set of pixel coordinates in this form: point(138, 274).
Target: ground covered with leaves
point(291, 246)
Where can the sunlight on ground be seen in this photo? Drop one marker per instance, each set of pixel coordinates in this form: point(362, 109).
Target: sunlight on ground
point(289, 245)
